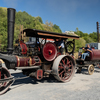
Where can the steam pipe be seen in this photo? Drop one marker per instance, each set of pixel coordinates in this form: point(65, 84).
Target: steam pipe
point(11, 21)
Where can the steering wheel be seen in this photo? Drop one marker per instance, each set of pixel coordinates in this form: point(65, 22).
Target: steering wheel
point(69, 47)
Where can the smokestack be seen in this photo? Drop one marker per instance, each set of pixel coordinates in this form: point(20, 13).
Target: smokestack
point(98, 32)
point(11, 21)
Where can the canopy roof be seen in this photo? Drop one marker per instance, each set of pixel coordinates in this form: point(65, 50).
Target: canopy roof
point(46, 34)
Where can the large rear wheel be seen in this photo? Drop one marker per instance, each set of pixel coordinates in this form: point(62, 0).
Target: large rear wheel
point(63, 68)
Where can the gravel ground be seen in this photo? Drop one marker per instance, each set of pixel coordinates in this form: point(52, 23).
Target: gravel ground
point(81, 87)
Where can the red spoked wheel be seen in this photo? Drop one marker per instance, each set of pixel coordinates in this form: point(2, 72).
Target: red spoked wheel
point(63, 68)
point(4, 86)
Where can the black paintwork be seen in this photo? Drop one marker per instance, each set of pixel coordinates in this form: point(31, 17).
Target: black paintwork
point(11, 21)
point(10, 60)
point(34, 33)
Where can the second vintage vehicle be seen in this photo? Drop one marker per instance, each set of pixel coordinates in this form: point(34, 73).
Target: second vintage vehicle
point(92, 60)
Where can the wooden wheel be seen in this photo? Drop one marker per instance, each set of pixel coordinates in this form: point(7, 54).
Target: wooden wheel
point(91, 69)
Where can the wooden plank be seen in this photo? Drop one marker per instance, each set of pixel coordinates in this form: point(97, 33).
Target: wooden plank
point(58, 36)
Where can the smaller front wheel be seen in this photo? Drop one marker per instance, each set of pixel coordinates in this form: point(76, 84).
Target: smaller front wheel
point(91, 69)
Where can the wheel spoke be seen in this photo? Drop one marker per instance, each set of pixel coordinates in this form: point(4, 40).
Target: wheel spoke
point(60, 64)
point(69, 70)
point(68, 62)
point(61, 72)
point(69, 66)
point(65, 75)
point(63, 61)
point(61, 67)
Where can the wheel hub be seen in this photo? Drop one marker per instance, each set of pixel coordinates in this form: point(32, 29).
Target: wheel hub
point(66, 67)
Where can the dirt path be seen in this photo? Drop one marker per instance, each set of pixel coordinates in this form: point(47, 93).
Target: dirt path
point(81, 87)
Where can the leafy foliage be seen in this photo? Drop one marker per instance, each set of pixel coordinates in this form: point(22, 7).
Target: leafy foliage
point(92, 37)
point(85, 38)
point(79, 43)
point(28, 21)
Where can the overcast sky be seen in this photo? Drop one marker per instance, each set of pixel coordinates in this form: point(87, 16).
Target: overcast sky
point(67, 14)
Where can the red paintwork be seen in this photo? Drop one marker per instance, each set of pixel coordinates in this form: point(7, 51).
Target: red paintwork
point(22, 61)
point(39, 74)
point(95, 55)
point(38, 48)
point(49, 51)
point(27, 61)
point(0, 73)
point(23, 47)
point(58, 53)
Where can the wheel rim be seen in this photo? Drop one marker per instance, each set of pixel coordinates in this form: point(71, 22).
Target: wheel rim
point(4, 86)
point(65, 69)
point(91, 69)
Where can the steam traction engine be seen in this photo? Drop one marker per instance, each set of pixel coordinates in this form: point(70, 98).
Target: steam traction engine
point(35, 58)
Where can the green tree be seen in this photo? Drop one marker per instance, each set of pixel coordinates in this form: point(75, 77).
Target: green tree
point(79, 43)
point(56, 27)
point(22, 18)
point(39, 19)
point(88, 39)
point(93, 36)
point(79, 33)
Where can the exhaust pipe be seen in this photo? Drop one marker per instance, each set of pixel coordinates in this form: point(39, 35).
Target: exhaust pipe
point(11, 21)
